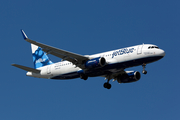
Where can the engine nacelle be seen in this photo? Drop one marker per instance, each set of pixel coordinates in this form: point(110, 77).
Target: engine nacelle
point(96, 62)
point(129, 76)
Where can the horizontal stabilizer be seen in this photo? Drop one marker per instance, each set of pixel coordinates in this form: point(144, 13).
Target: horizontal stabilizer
point(26, 68)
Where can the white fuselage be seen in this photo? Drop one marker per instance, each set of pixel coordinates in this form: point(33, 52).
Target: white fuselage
point(116, 60)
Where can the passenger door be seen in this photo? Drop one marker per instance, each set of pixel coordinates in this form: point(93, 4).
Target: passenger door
point(49, 69)
point(139, 50)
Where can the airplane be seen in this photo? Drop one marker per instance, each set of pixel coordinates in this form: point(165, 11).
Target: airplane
point(110, 65)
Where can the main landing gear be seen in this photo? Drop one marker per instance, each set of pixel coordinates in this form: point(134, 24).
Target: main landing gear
point(107, 85)
point(144, 66)
point(84, 76)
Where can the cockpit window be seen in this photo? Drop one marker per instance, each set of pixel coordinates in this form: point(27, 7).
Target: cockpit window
point(151, 47)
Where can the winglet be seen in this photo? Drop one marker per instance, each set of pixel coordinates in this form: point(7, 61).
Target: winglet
point(24, 34)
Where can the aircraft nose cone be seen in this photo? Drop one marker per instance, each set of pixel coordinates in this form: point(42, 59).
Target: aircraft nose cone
point(162, 53)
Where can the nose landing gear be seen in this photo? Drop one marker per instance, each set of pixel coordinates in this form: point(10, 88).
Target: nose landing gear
point(144, 66)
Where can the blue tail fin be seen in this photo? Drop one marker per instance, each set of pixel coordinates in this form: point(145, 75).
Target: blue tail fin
point(40, 58)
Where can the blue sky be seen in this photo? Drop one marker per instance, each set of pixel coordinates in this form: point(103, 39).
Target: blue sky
point(88, 27)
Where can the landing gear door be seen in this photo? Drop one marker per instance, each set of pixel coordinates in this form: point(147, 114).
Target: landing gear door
point(139, 50)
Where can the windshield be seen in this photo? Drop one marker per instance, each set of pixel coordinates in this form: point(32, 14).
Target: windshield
point(152, 47)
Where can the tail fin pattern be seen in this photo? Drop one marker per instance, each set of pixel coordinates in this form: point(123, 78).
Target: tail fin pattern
point(40, 58)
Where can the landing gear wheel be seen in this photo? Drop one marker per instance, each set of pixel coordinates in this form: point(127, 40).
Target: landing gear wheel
point(83, 76)
point(107, 85)
point(144, 66)
point(144, 72)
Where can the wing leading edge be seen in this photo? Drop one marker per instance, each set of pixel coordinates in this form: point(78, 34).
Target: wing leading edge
point(65, 55)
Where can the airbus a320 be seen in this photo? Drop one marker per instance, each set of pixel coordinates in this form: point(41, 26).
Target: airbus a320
point(110, 65)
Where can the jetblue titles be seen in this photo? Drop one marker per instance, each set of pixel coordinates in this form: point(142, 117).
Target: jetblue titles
point(122, 51)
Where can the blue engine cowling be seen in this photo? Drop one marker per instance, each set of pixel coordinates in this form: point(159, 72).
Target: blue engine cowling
point(128, 77)
point(95, 63)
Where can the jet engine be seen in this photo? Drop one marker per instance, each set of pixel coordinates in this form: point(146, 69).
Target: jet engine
point(128, 77)
point(95, 63)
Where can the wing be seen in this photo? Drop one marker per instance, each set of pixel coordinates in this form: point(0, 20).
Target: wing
point(76, 59)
